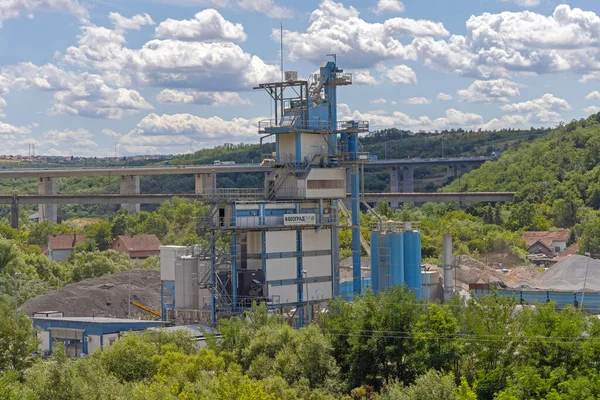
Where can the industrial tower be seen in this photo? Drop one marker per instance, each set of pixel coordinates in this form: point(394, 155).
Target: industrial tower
point(278, 246)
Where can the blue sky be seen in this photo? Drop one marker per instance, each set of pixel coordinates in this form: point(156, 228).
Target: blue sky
point(78, 77)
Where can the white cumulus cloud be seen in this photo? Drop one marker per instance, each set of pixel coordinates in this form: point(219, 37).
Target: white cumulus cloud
point(546, 109)
point(207, 25)
point(14, 8)
point(168, 132)
point(335, 28)
point(492, 91)
point(417, 101)
point(215, 99)
point(592, 109)
point(400, 74)
point(267, 7)
point(389, 6)
point(595, 95)
point(523, 3)
point(443, 97)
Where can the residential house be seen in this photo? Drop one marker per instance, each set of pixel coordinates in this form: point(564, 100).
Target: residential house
point(60, 246)
point(137, 246)
point(547, 243)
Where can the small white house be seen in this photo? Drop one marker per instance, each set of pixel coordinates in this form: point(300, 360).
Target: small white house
point(60, 246)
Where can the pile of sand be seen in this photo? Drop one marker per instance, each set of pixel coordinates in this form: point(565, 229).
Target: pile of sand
point(470, 271)
point(522, 277)
point(569, 275)
point(106, 296)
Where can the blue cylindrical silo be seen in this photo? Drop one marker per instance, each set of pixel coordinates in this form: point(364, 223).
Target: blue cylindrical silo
point(375, 261)
point(412, 260)
point(385, 273)
point(398, 254)
point(395, 254)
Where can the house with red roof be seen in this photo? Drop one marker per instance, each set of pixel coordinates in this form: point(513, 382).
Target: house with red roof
point(137, 246)
point(60, 246)
point(549, 243)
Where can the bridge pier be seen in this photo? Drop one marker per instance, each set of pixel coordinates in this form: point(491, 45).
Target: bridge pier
point(47, 185)
point(130, 184)
point(452, 171)
point(395, 185)
point(206, 183)
point(408, 180)
point(14, 212)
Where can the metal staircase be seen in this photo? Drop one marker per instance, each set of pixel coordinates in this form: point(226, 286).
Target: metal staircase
point(212, 255)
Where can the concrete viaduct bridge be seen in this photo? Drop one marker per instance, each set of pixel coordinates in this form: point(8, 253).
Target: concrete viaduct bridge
point(45, 200)
point(205, 176)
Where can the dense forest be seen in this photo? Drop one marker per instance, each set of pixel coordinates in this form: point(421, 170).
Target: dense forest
point(557, 180)
point(385, 347)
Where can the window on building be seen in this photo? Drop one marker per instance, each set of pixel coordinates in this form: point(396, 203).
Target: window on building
point(318, 184)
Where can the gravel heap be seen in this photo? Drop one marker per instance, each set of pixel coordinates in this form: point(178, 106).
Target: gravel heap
point(470, 270)
point(569, 274)
point(522, 277)
point(105, 296)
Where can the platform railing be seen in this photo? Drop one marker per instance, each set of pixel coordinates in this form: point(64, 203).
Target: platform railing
point(267, 221)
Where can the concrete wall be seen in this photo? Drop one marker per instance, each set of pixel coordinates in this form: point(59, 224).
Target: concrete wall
point(283, 294)
point(45, 344)
point(109, 339)
point(326, 174)
point(59, 255)
point(287, 147)
point(94, 343)
point(280, 242)
point(281, 269)
point(313, 145)
point(317, 266)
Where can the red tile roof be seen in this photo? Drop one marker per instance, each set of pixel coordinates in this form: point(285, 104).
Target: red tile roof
point(64, 241)
point(139, 242)
point(530, 237)
point(571, 250)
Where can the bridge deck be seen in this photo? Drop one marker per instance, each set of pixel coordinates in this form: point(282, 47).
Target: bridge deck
point(451, 197)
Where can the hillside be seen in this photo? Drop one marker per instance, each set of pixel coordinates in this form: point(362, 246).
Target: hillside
point(556, 177)
point(389, 143)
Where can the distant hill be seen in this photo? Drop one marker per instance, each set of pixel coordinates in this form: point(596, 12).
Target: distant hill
point(389, 143)
point(559, 173)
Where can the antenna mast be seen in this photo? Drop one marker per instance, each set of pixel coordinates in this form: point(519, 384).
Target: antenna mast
point(281, 49)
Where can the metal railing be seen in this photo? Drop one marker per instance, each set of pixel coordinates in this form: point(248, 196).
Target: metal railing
point(267, 221)
point(352, 126)
point(395, 226)
point(344, 78)
point(233, 194)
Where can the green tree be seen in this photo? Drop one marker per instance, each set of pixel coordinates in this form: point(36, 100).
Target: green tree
point(98, 263)
point(18, 341)
point(590, 237)
point(431, 386)
point(101, 233)
point(120, 225)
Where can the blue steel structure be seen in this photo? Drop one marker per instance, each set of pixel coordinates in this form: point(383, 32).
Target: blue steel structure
point(312, 150)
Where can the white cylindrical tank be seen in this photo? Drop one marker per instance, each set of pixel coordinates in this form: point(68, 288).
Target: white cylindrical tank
point(186, 289)
point(447, 261)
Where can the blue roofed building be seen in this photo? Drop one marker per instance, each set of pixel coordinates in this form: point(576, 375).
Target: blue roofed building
point(83, 335)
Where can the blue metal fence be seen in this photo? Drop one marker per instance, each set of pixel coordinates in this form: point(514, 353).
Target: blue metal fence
point(347, 289)
point(562, 299)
